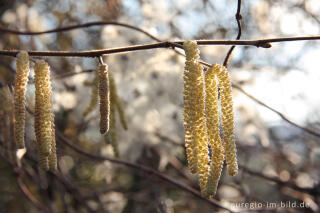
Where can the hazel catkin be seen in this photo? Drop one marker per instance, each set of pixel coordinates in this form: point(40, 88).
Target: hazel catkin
point(212, 115)
point(19, 97)
point(227, 118)
point(104, 95)
point(196, 138)
point(112, 134)
point(44, 117)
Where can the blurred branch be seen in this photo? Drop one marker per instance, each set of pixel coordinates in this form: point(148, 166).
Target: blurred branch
point(146, 170)
point(68, 74)
point(305, 129)
point(67, 185)
point(73, 190)
point(169, 140)
point(311, 191)
point(29, 195)
point(238, 19)
point(302, 6)
point(78, 26)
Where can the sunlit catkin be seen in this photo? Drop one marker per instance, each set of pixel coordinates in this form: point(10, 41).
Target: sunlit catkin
point(212, 115)
point(227, 119)
point(104, 95)
point(44, 117)
point(112, 134)
point(114, 98)
point(196, 139)
point(19, 97)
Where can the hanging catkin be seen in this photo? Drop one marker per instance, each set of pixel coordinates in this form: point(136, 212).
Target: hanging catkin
point(112, 134)
point(114, 98)
point(196, 138)
point(44, 117)
point(104, 95)
point(212, 115)
point(19, 97)
point(227, 119)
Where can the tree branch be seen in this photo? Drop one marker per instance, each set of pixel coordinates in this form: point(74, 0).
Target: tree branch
point(305, 129)
point(238, 19)
point(78, 26)
point(29, 195)
point(148, 171)
point(265, 43)
point(311, 191)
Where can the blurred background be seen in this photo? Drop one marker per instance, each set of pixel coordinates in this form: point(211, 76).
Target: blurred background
point(279, 162)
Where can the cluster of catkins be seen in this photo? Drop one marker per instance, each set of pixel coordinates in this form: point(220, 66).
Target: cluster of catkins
point(201, 120)
point(104, 88)
point(43, 115)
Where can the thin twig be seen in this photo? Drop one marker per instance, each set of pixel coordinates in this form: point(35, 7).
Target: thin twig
point(68, 74)
point(305, 129)
point(148, 171)
point(30, 197)
point(78, 26)
point(238, 19)
point(265, 43)
point(311, 191)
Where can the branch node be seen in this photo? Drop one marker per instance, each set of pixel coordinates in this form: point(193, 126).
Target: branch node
point(264, 45)
point(238, 16)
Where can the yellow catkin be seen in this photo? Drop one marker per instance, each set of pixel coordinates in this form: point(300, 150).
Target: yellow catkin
point(44, 117)
point(196, 139)
point(19, 97)
point(118, 103)
point(94, 95)
point(112, 134)
point(122, 115)
point(227, 119)
point(104, 95)
point(212, 115)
